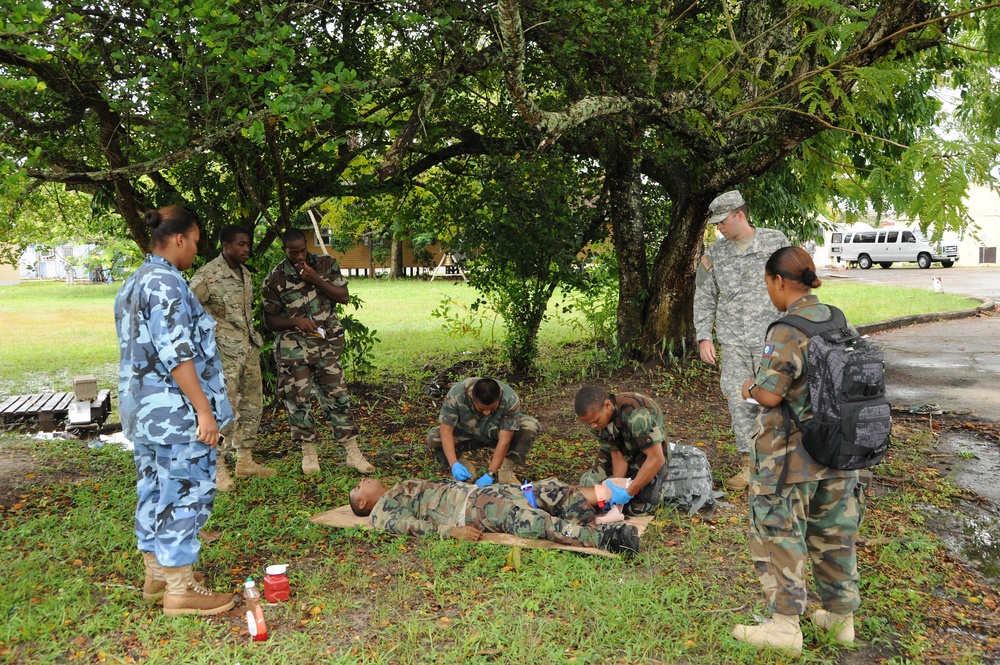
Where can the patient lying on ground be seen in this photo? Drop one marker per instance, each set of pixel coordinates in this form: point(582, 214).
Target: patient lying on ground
point(565, 515)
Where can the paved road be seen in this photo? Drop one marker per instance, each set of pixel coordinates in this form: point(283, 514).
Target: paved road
point(955, 364)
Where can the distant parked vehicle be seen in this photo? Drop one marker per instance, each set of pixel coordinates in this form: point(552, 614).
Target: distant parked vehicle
point(888, 246)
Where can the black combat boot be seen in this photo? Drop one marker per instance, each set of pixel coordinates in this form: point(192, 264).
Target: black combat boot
point(620, 537)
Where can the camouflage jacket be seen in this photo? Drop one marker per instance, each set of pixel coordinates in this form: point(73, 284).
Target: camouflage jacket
point(287, 295)
point(420, 507)
point(783, 371)
point(730, 293)
point(459, 411)
point(160, 324)
point(636, 425)
point(227, 294)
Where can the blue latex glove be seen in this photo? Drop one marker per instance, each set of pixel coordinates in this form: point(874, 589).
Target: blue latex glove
point(484, 480)
point(459, 471)
point(619, 495)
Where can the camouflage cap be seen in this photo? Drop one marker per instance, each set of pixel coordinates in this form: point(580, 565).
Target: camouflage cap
point(723, 204)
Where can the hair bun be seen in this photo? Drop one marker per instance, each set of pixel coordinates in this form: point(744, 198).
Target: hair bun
point(808, 277)
point(153, 218)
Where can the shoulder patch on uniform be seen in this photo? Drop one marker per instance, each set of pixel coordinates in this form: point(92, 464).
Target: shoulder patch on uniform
point(768, 351)
point(706, 263)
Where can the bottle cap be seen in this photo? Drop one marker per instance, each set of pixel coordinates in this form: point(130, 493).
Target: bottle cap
point(249, 583)
point(276, 569)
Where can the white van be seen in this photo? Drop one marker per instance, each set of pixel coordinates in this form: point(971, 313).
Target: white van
point(888, 246)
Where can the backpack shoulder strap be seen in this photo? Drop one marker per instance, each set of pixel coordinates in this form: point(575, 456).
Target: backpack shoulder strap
point(835, 328)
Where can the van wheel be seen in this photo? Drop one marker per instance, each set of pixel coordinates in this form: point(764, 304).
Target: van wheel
point(947, 264)
point(924, 261)
point(864, 262)
point(885, 264)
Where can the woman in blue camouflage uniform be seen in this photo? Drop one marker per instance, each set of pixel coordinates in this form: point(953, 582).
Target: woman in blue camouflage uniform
point(800, 510)
point(172, 400)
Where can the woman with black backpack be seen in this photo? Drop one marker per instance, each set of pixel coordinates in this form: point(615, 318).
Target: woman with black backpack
point(800, 510)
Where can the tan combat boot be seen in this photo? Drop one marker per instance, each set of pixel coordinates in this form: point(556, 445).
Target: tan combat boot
point(156, 583)
point(841, 625)
point(781, 632)
point(310, 458)
point(246, 467)
point(223, 482)
point(506, 473)
point(185, 595)
point(741, 480)
point(355, 459)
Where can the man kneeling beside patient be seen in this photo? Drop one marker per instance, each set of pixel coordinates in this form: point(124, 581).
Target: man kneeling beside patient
point(565, 514)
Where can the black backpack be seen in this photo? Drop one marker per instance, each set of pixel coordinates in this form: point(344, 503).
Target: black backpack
point(851, 418)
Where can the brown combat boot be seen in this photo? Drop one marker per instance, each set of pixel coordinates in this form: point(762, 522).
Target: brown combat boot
point(741, 480)
point(355, 459)
point(185, 595)
point(223, 482)
point(156, 583)
point(781, 632)
point(310, 458)
point(506, 473)
point(246, 467)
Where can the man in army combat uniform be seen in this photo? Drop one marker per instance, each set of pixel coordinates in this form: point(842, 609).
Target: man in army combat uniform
point(632, 439)
point(225, 290)
point(731, 296)
point(483, 413)
point(565, 514)
point(300, 304)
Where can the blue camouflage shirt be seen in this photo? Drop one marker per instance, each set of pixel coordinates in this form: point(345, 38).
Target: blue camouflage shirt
point(161, 324)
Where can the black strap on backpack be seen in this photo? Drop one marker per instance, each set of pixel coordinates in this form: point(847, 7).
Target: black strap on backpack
point(834, 329)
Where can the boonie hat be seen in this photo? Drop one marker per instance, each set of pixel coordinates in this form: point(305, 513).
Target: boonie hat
point(723, 204)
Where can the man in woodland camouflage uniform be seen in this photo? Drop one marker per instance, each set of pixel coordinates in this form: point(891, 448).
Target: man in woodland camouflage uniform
point(483, 413)
point(225, 289)
point(300, 303)
point(633, 444)
point(730, 296)
point(565, 514)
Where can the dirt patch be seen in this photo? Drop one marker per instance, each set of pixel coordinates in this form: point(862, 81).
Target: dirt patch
point(20, 470)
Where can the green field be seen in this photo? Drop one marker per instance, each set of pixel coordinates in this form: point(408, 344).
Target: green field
point(50, 332)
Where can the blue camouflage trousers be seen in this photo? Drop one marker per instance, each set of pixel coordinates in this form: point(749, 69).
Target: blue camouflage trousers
point(176, 489)
point(813, 522)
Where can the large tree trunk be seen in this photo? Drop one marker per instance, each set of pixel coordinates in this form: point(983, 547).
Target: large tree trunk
point(669, 317)
point(396, 267)
point(625, 212)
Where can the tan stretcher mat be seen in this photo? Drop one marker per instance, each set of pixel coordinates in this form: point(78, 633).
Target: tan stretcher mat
point(344, 518)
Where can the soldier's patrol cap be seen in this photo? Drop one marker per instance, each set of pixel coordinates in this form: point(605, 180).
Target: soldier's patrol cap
point(723, 204)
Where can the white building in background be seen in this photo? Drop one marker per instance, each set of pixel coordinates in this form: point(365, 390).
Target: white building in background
point(52, 263)
point(977, 245)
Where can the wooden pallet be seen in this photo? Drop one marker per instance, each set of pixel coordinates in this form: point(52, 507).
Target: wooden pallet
point(50, 408)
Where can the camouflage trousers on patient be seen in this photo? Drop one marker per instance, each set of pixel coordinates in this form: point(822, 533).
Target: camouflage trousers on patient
point(175, 485)
point(319, 371)
point(813, 522)
point(646, 501)
point(504, 509)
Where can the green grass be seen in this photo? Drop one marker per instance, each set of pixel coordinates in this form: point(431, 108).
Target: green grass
point(50, 332)
point(71, 579)
point(71, 573)
point(866, 303)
